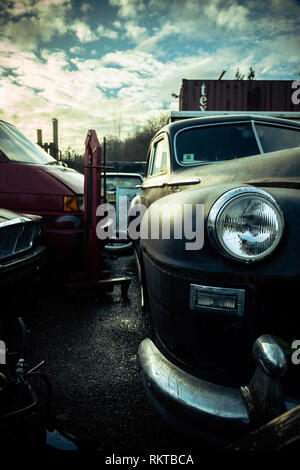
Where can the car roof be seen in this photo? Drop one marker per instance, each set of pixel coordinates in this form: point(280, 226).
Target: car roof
point(173, 127)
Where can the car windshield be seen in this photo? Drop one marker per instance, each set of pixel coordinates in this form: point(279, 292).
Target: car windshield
point(202, 144)
point(275, 138)
point(19, 149)
point(122, 181)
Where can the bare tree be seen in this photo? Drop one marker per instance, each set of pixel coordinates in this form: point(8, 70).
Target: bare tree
point(132, 149)
point(118, 124)
point(238, 75)
point(251, 74)
point(135, 146)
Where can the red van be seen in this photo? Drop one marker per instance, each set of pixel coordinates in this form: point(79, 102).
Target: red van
point(31, 181)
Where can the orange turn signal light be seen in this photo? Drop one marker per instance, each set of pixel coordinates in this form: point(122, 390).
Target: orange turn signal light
point(70, 204)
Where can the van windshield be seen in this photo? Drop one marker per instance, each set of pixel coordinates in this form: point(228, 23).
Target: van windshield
point(18, 148)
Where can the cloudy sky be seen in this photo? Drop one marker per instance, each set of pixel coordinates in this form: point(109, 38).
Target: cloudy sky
point(110, 65)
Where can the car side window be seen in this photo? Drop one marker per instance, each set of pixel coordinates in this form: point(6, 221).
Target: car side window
point(276, 138)
point(159, 157)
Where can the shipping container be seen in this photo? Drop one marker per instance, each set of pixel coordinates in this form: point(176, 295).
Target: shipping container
point(239, 95)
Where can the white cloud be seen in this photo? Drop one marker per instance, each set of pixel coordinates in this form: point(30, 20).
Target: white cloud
point(106, 33)
point(234, 17)
point(35, 21)
point(128, 8)
point(133, 61)
point(135, 83)
point(85, 34)
point(150, 43)
point(76, 97)
point(83, 31)
point(117, 24)
point(91, 93)
point(85, 7)
point(77, 50)
point(134, 31)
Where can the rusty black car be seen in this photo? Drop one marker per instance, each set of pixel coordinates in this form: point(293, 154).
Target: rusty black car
point(222, 306)
point(22, 254)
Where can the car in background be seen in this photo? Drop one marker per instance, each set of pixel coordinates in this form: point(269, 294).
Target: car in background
point(120, 184)
point(208, 302)
point(22, 251)
point(31, 181)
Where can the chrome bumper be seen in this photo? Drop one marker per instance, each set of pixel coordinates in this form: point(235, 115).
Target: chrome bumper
point(189, 403)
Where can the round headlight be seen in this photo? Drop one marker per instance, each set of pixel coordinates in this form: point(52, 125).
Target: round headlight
point(246, 224)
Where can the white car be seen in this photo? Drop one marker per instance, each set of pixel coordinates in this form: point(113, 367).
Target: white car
point(121, 184)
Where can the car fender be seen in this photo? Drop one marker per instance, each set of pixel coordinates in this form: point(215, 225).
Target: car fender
point(173, 253)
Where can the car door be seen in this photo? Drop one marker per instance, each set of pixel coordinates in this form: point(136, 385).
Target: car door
point(158, 171)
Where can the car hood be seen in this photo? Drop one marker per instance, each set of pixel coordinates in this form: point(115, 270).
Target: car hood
point(281, 168)
point(7, 215)
point(69, 177)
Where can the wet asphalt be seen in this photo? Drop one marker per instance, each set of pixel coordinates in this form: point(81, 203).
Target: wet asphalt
point(90, 348)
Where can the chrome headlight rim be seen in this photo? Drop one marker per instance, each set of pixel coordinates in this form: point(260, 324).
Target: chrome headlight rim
point(220, 205)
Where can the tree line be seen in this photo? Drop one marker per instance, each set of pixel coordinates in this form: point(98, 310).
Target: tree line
point(131, 149)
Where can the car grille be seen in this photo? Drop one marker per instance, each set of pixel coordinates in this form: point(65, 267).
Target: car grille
point(16, 237)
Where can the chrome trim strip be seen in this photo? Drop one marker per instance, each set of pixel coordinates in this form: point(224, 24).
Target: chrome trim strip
point(182, 182)
point(277, 124)
point(256, 137)
point(205, 114)
point(154, 185)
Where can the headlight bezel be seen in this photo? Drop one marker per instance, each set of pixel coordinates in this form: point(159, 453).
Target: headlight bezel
point(227, 199)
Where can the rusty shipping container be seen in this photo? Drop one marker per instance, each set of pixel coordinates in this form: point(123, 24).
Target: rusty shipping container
point(238, 95)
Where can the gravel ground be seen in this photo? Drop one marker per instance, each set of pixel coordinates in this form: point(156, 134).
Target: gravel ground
point(90, 349)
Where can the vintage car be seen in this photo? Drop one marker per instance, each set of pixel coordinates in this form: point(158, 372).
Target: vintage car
point(120, 184)
point(233, 285)
point(22, 253)
point(31, 181)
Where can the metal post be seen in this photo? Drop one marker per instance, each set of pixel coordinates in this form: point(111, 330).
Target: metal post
point(92, 185)
point(104, 162)
point(39, 137)
point(55, 137)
